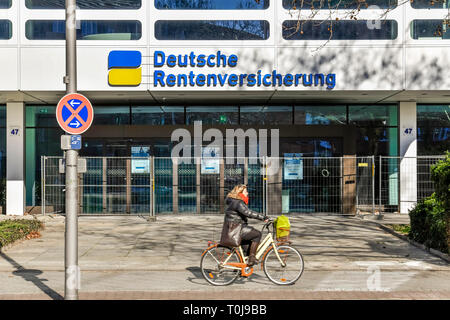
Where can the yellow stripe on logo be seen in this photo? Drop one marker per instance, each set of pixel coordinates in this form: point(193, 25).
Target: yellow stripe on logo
point(125, 77)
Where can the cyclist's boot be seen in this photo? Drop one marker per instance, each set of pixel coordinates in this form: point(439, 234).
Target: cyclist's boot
point(252, 257)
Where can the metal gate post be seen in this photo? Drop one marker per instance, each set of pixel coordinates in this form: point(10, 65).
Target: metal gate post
point(197, 182)
point(380, 171)
point(43, 185)
point(373, 185)
point(265, 186)
point(128, 187)
point(341, 175)
point(150, 193)
point(104, 184)
point(153, 186)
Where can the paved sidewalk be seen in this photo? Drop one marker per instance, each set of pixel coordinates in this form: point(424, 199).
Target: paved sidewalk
point(129, 255)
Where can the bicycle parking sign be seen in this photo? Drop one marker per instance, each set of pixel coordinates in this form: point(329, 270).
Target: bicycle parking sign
point(74, 113)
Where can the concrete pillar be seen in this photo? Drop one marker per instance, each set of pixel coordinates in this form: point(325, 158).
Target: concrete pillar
point(408, 154)
point(15, 155)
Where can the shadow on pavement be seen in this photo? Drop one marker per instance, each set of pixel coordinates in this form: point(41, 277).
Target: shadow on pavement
point(32, 276)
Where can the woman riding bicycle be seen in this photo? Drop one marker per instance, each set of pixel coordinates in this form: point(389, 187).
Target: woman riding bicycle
point(236, 215)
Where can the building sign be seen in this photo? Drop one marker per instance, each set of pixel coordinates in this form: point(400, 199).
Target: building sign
point(293, 166)
point(210, 160)
point(125, 70)
point(140, 165)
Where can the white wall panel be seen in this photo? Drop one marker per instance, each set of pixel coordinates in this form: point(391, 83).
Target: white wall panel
point(9, 67)
point(355, 68)
point(42, 68)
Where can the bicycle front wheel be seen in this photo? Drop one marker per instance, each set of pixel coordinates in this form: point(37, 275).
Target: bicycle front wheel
point(212, 266)
point(292, 269)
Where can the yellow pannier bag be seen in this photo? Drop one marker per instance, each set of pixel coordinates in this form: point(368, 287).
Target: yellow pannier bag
point(283, 227)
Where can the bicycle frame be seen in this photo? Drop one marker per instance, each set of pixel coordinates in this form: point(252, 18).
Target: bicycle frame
point(263, 248)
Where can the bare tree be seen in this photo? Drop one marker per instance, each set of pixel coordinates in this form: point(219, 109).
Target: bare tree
point(305, 15)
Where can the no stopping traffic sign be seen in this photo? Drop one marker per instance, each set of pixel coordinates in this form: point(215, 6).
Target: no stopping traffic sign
point(74, 113)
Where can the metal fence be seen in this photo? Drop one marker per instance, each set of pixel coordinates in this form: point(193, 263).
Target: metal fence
point(388, 185)
point(155, 186)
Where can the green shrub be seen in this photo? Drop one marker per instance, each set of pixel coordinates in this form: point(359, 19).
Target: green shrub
point(430, 223)
point(440, 174)
point(13, 230)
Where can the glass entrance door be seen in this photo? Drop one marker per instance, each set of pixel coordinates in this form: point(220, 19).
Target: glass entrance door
point(312, 177)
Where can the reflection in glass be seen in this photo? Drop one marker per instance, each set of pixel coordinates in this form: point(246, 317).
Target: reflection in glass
point(338, 30)
point(212, 30)
point(430, 29)
point(88, 30)
point(212, 115)
point(338, 4)
point(40, 142)
point(212, 4)
point(430, 4)
point(373, 115)
point(266, 115)
point(320, 115)
point(433, 132)
point(111, 115)
point(40, 116)
point(5, 4)
point(377, 141)
point(5, 30)
point(157, 115)
point(85, 4)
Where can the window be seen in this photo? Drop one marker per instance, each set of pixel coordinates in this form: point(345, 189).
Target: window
point(433, 129)
point(112, 115)
point(5, 4)
point(157, 115)
point(212, 5)
point(41, 116)
point(430, 29)
point(212, 30)
point(266, 115)
point(430, 4)
point(5, 29)
point(374, 116)
point(42, 138)
point(339, 30)
point(212, 115)
point(88, 30)
point(85, 4)
point(339, 4)
point(321, 115)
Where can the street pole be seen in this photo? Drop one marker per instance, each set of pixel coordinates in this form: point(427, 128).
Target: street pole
point(72, 274)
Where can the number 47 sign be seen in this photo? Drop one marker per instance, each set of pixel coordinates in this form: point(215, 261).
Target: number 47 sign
point(14, 131)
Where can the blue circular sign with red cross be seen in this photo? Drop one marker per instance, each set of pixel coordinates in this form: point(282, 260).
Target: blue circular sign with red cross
point(74, 113)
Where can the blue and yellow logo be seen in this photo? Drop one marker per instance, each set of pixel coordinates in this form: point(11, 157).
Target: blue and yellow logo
point(125, 68)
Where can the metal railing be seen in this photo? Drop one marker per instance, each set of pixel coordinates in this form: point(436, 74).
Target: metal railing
point(156, 185)
point(388, 185)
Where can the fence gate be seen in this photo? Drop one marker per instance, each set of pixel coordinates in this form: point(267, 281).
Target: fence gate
point(109, 186)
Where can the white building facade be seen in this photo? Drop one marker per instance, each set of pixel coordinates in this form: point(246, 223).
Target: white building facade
point(372, 87)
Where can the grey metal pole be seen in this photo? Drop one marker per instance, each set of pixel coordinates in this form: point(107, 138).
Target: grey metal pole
point(72, 275)
point(373, 185)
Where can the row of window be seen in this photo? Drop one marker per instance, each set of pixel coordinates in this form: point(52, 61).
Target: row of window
point(360, 115)
point(229, 30)
point(229, 4)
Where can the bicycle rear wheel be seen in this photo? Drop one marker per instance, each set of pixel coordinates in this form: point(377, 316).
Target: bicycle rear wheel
point(292, 270)
point(212, 268)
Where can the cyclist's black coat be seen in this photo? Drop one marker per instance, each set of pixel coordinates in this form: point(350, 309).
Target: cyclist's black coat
point(237, 211)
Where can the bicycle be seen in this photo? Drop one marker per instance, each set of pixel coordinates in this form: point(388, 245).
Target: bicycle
point(282, 263)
